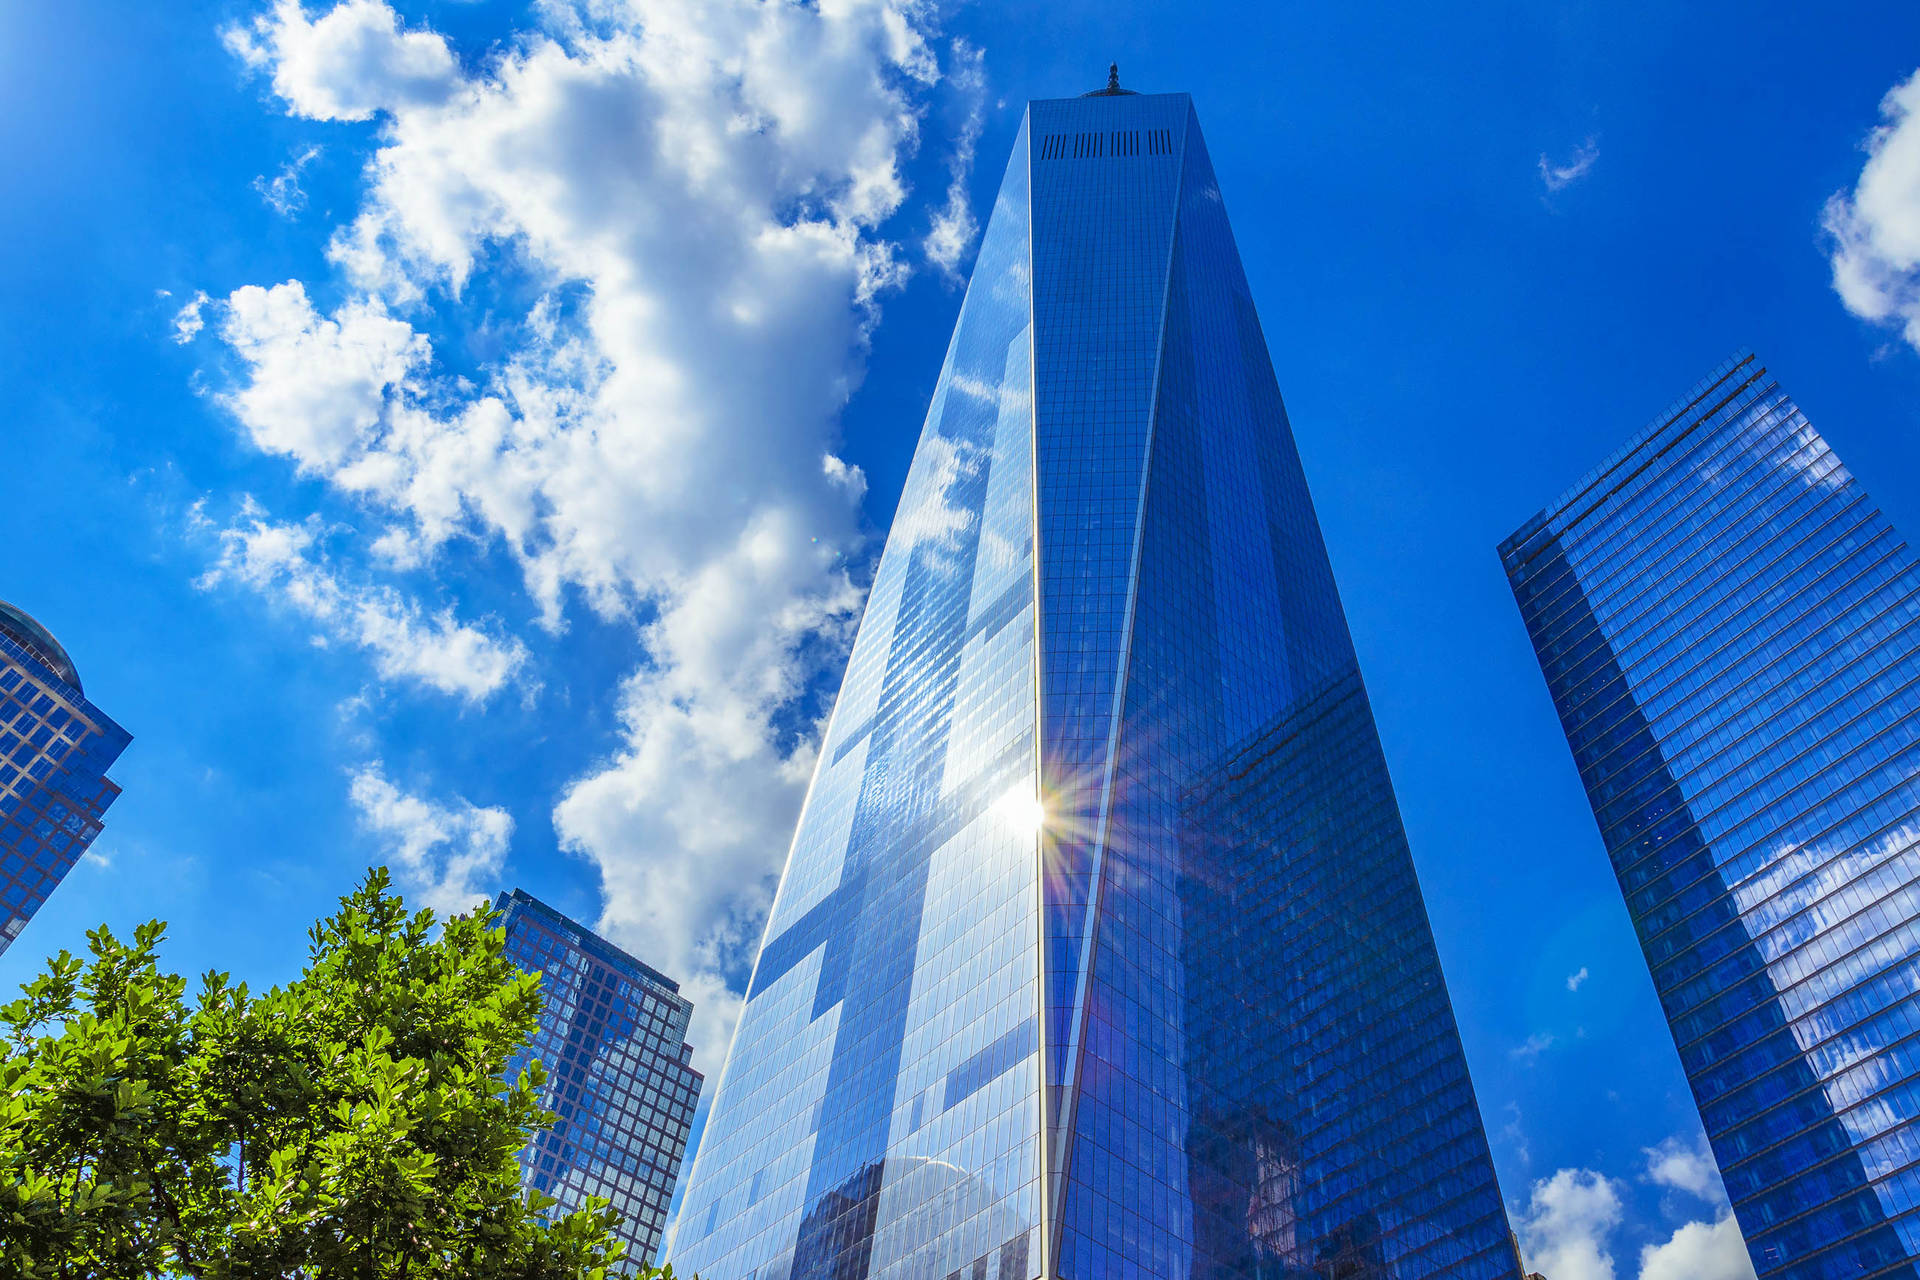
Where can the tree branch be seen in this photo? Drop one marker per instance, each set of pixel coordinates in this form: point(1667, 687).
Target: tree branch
point(180, 1249)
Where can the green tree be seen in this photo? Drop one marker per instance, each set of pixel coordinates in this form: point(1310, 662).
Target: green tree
point(354, 1123)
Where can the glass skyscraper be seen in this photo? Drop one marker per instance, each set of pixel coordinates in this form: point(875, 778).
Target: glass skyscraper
point(1727, 626)
point(55, 750)
point(613, 1038)
point(1099, 951)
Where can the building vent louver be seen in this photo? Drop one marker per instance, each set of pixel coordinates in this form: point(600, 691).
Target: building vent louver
point(1117, 143)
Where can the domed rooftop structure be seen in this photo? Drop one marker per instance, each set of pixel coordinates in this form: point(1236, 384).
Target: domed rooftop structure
point(20, 628)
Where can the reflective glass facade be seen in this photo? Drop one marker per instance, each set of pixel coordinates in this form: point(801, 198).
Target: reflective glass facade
point(1099, 951)
point(613, 1039)
point(55, 750)
point(1727, 626)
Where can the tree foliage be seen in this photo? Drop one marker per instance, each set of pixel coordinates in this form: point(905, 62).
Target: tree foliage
point(353, 1123)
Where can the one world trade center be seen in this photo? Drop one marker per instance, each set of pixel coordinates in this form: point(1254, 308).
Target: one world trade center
point(1099, 951)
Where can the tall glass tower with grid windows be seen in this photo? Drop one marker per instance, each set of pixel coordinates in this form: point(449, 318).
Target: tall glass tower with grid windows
point(1099, 951)
point(55, 750)
point(1728, 628)
point(613, 1038)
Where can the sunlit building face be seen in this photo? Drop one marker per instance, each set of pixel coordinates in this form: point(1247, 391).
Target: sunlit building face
point(1728, 628)
point(1098, 952)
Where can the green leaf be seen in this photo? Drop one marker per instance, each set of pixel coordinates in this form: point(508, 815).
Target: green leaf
point(356, 1121)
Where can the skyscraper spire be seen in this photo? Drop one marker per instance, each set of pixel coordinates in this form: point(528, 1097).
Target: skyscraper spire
point(1112, 89)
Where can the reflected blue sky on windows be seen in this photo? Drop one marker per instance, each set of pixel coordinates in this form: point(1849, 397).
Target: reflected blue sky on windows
point(55, 750)
point(613, 1040)
point(878, 1114)
point(1726, 622)
point(1106, 588)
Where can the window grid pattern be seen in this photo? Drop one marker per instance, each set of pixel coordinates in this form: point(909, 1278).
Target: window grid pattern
point(1102, 230)
point(55, 750)
point(1271, 1082)
point(1104, 537)
point(878, 1114)
point(612, 1037)
point(1727, 626)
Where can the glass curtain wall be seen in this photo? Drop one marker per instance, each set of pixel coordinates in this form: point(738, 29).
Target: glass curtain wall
point(1099, 951)
point(1727, 625)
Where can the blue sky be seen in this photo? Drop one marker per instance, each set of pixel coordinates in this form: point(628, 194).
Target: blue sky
point(480, 516)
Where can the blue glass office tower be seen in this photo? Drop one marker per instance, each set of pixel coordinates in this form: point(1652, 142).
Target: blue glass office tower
point(55, 750)
point(1099, 951)
point(613, 1038)
point(1727, 625)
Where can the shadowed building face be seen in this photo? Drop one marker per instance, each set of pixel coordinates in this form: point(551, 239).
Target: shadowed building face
point(1098, 951)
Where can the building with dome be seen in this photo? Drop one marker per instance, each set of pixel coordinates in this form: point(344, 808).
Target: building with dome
point(55, 750)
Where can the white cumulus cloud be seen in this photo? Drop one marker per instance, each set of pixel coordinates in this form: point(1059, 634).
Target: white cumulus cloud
point(317, 388)
point(701, 195)
point(1564, 1227)
point(190, 319)
point(284, 562)
point(954, 226)
point(446, 856)
point(1578, 979)
point(1688, 1167)
point(351, 62)
point(1699, 1251)
point(1875, 232)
